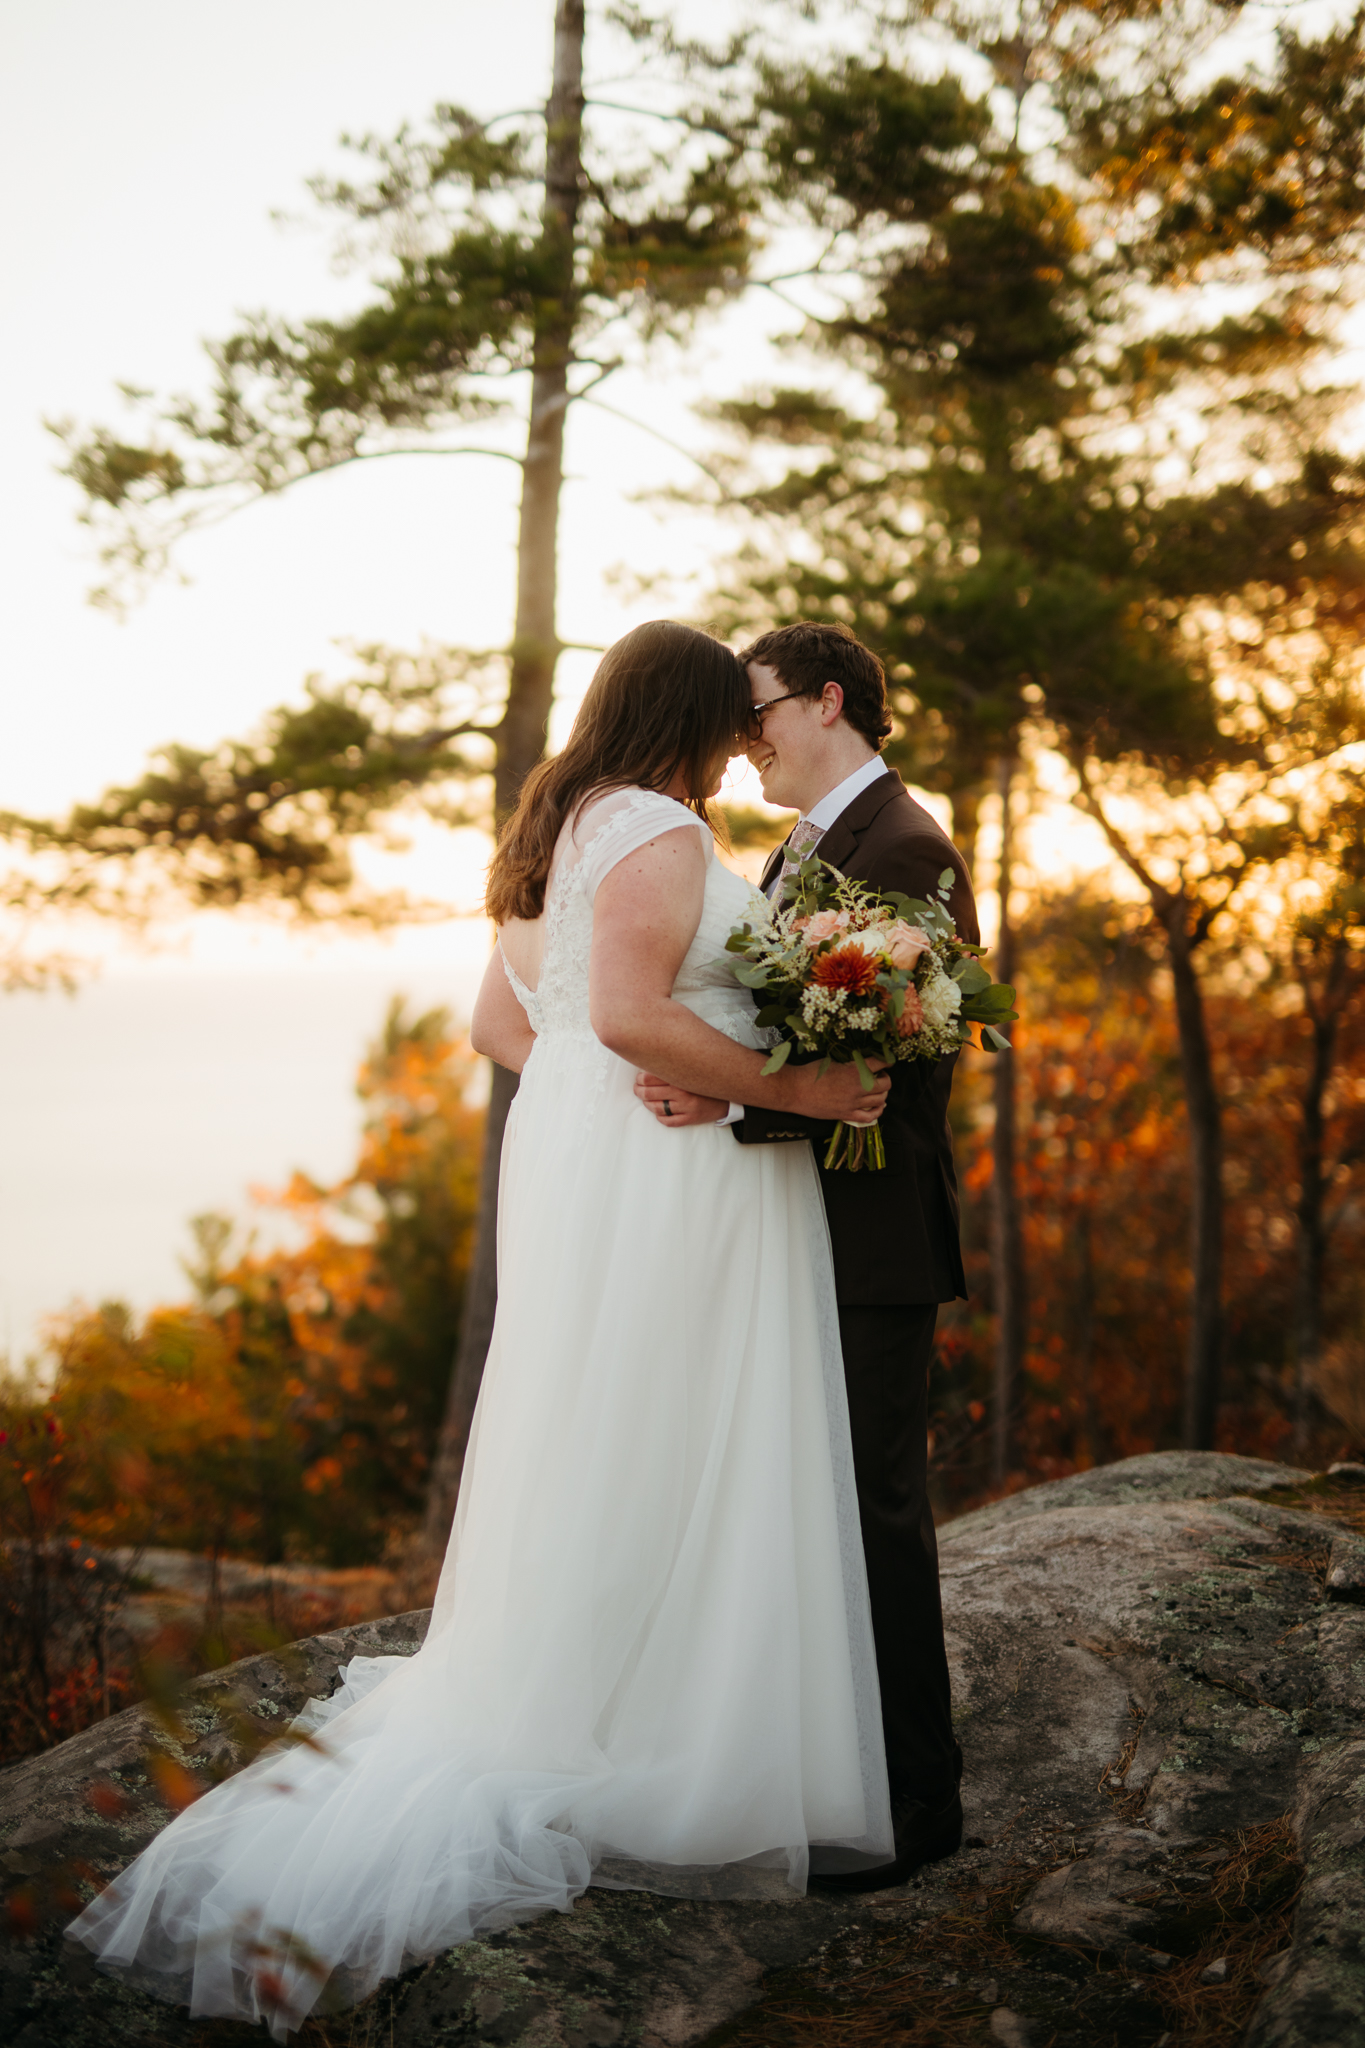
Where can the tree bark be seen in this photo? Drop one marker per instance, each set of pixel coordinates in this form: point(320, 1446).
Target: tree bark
point(1325, 1019)
point(1205, 1113)
point(476, 1324)
point(524, 725)
point(535, 640)
point(1007, 1247)
point(1097, 1437)
point(1185, 926)
point(966, 803)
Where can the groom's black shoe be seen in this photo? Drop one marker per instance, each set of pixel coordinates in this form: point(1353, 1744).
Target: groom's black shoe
point(922, 1834)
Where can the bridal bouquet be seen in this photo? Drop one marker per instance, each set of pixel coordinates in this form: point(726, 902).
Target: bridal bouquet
point(841, 972)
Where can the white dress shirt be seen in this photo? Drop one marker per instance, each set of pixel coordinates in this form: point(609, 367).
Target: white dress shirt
point(834, 805)
point(824, 814)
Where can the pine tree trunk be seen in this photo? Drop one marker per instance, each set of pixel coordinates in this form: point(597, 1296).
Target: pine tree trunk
point(966, 804)
point(535, 640)
point(1097, 1436)
point(525, 722)
point(1312, 1226)
point(1205, 1115)
point(1007, 1247)
point(476, 1323)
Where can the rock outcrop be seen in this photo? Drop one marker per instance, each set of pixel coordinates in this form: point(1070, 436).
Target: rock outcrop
point(1152, 1661)
point(1206, 1658)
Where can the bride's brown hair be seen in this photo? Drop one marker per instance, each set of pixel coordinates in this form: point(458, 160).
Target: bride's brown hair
point(664, 698)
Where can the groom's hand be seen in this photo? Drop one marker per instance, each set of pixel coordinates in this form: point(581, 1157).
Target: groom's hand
point(682, 1109)
point(833, 1093)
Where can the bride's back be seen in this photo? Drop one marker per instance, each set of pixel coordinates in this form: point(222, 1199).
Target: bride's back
point(595, 835)
point(523, 938)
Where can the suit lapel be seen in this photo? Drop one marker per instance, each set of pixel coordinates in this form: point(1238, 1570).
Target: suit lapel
point(841, 841)
point(771, 866)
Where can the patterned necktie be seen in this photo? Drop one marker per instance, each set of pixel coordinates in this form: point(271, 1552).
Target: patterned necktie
point(803, 835)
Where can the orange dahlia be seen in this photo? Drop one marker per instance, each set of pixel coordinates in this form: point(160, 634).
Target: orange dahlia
point(847, 967)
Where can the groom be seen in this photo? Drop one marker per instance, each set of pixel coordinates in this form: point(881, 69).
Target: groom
point(818, 723)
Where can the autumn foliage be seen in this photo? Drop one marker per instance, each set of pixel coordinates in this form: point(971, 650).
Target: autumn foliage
point(287, 1412)
point(1103, 1164)
point(290, 1409)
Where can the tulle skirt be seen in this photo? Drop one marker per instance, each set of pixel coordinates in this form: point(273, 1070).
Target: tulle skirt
point(650, 1661)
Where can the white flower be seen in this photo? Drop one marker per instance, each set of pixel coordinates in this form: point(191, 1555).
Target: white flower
point(873, 943)
point(940, 999)
point(821, 1005)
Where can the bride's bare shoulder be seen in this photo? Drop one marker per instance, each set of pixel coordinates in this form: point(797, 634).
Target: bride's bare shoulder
point(522, 940)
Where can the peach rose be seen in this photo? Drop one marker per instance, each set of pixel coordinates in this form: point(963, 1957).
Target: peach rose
point(825, 925)
point(904, 943)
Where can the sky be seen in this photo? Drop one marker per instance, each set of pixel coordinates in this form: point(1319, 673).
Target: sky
point(145, 149)
point(148, 146)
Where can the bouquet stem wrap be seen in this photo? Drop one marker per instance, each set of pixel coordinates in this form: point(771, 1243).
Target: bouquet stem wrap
point(856, 1145)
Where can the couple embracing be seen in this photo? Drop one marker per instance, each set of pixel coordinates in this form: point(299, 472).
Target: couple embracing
point(687, 1636)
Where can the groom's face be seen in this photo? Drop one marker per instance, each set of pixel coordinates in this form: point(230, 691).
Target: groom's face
point(794, 738)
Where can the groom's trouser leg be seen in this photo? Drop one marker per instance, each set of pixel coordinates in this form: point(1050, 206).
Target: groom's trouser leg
point(886, 1367)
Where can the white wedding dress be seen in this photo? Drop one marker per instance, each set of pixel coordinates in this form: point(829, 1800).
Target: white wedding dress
point(650, 1660)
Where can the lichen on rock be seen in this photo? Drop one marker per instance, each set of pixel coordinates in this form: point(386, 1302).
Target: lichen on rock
point(1154, 1663)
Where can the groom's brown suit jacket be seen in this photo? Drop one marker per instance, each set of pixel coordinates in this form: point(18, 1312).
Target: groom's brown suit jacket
point(894, 1233)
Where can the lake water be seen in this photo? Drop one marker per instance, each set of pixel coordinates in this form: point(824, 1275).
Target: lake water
point(148, 1098)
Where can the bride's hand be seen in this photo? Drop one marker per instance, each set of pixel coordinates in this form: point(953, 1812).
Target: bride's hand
point(683, 1108)
point(839, 1096)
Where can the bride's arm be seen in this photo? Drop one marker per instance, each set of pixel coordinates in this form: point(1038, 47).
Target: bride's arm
point(645, 914)
point(500, 1028)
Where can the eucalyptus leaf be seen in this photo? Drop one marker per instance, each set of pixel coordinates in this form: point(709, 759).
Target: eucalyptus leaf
point(778, 1057)
point(994, 1039)
point(865, 1074)
point(991, 1006)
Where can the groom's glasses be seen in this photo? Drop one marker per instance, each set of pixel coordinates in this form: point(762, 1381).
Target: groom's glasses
point(758, 712)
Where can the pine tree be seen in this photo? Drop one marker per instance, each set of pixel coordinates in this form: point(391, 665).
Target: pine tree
point(505, 258)
point(1061, 479)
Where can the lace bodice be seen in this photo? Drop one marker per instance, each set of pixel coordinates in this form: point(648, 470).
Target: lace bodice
point(608, 830)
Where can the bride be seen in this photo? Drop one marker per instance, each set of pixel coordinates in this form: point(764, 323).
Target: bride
point(650, 1661)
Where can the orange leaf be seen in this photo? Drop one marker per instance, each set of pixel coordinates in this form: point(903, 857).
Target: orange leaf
point(108, 1802)
point(22, 1914)
point(176, 1787)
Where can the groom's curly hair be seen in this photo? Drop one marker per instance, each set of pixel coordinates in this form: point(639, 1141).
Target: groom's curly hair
point(807, 655)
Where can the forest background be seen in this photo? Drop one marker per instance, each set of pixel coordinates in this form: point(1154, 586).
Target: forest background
point(1060, 413)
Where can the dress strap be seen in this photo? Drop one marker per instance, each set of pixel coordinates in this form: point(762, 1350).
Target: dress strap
point(634, 817)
